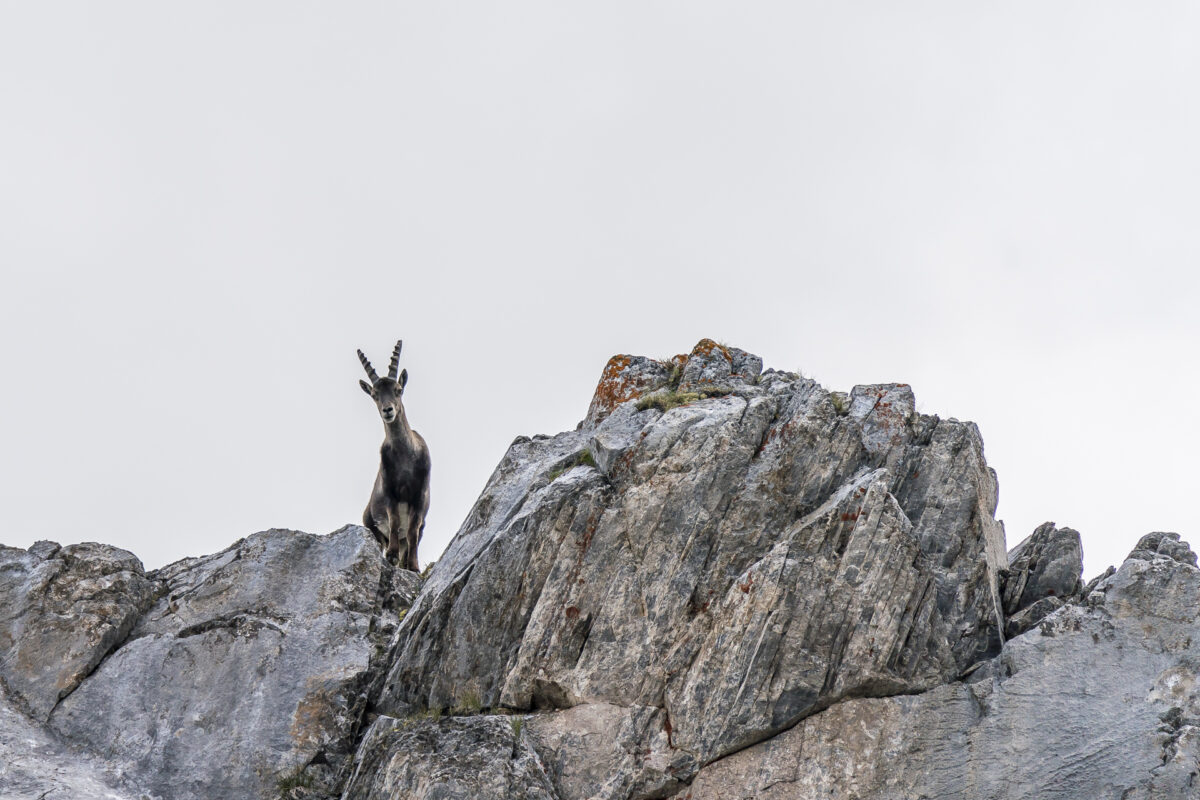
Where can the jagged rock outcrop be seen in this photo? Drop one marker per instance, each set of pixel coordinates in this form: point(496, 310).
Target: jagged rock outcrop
point(476, 757)
point(62, 610)
point(34, 765)
point(231, 675)
point(736, 563)
point(726, 583)
point(1099, 701)
point(1043, 575)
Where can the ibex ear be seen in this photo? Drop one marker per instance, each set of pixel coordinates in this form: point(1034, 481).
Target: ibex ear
point(366, 387)
point(403, 378)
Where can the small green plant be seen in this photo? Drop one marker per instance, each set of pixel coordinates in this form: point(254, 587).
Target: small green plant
point(676, 376)
point(288, 784)
point(468, 704)
point(412, 720)
point(428, 569)
point(841, 403)
point(665, 401)
point(516, 723)
point(584, 458)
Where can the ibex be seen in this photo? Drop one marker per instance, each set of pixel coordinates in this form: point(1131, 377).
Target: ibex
point(400, 499)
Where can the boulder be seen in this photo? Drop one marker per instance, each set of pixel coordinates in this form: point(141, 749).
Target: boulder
point(736, 559)
point(35, 765)
point(481, 758)
point(1044, 572)
point(1097, 701)
point(598, 751)
point(250, 671)
point(1163, 545)
point(62, 610)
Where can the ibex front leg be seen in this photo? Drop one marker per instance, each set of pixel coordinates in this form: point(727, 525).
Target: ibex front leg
point(401, 551)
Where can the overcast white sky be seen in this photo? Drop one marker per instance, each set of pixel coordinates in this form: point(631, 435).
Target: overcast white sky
point(206, 207)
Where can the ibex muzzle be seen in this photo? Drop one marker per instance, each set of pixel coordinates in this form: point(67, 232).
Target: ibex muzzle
point(400, 499)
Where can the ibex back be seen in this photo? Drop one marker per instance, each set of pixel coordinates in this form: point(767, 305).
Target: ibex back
point(400, 499)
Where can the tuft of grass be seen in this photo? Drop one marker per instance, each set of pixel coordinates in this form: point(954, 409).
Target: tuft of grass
point(665, 401)
point(288, 784)
point(468, 704)
point(674, 367)
point(516, 723)
point(841, 403)
point(428, 569)
point(584, 459)
point(676, 376)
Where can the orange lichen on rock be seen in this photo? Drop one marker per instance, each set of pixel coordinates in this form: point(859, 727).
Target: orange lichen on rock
point(625, 378)
point(614, 387)
point(705, 347)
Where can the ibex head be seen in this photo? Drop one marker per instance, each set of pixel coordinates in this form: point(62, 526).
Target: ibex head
point(385, 392)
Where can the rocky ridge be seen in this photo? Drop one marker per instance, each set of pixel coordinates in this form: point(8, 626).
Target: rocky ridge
point(725, 583)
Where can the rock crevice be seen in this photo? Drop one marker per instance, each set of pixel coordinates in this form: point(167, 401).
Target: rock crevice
point(726, 582)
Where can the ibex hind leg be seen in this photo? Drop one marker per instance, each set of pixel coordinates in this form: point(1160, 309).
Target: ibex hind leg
point(381, 535)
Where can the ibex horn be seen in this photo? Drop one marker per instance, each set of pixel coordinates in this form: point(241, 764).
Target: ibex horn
point(367, 366)
point(395, 365)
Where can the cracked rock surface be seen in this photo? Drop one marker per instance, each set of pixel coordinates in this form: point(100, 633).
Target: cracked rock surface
point(229, 675)
point(726, 583)
point(254, 659)
point(34, 765)
point(62, 610)
point(483, 757)
point(1099, 701)
point(738, 562)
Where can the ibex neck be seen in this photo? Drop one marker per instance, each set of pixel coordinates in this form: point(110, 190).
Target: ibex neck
point(397, 430)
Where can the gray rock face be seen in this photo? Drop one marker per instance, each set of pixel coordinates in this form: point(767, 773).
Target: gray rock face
point(34, 765)
point(1044, 572)
point(736, 563)
point(62, 610)
point(483, 757)
point(725, 584)
point(1163, 544)
point(1097, 702)
point(1048, 563)
point(251, 666)
point(604, 751)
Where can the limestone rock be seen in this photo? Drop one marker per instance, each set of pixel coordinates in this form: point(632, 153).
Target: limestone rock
point(481, 758)
point(625, 378)
point(738, 562)
point(714, 366)
point(724, 584)
point(34, 765)
point(251, 666)
point(605, 752)
point(1154, 545)
point(1044, 572)
point(62, 610)
point(1095, 702)
point(1048, 563)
